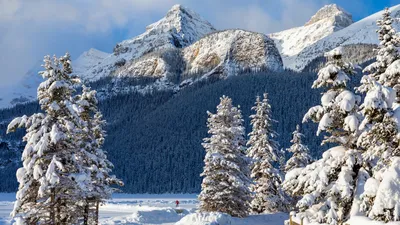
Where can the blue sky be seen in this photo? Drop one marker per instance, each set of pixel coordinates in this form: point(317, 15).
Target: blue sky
point(31, 29)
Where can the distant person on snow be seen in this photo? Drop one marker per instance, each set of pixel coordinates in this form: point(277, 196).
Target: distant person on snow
point(177, 203)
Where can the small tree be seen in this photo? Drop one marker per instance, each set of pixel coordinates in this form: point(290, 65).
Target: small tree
point(301, 154)
point(225, 175)
point(263, 150)
point(48, 189)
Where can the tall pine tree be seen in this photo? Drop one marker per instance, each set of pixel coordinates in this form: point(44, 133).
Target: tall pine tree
point(263, 150)
point(48, 189)
point(92, 158)
point(225, 175)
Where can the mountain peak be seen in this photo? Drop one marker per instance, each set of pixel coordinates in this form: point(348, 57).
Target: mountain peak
point(334, 14)
point(179, 28)
point(176, 8)
point(185, 22)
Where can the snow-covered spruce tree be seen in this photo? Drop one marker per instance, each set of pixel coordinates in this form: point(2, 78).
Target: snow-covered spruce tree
point(93, 159)
point(327, 186)
point(380, 141)
point(386, 68)
point(380, 128)
point(226, 174)
point(337, 114)
point(48, 189)
point(300, 152)
point(263, 151)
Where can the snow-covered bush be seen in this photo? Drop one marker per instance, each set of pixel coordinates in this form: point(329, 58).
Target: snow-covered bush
point(201, 218)
point(326, 186)
point(226, 174)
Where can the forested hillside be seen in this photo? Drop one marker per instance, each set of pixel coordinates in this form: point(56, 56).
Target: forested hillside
point(154, 140)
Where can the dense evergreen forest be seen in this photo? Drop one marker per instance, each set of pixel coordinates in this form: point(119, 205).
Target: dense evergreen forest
point(154, 140)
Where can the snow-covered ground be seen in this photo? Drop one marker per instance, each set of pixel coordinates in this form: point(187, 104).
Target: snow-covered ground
point(149, 209)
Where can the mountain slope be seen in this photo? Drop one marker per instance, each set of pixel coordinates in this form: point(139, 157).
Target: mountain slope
point(154, 140)
point(326, 21)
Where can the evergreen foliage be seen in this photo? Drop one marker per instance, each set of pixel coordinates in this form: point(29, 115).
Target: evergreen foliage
point(263, 150)
point(225, 175)
point(300, 153)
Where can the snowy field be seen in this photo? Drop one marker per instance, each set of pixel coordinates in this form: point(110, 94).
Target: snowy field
point(155, 209)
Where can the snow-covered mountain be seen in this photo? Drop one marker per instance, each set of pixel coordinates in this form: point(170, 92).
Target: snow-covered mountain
point(183, 45)
point(179, 28)
point(362, 32)
point(88, 59)
point(180, 44)
point(218, 52)
point(326, 21)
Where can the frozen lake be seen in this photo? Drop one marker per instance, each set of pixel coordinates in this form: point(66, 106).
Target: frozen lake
point(151, 209)
point(127, 208)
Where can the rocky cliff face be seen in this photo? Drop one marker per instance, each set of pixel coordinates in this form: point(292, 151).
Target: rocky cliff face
point(234, 50)
point(225, 51)
point(183, 43)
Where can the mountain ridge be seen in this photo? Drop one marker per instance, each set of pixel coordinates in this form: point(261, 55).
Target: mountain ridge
point(166, 49)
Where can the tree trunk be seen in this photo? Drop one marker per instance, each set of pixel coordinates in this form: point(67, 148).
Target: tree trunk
point(58, 212)
point(97, 213)
point(52, 207)
point(86, 213)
